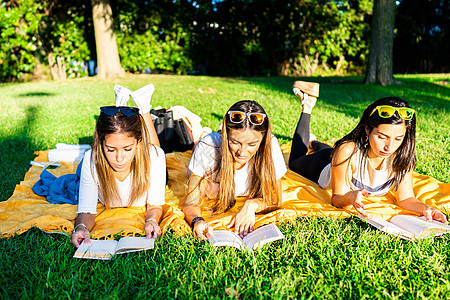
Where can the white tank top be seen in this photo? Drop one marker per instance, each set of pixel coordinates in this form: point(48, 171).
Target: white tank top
point(365, 176)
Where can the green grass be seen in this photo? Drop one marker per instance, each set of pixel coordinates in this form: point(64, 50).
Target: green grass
point(320, 258)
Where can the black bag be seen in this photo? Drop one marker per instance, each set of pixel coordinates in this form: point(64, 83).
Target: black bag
point(173, 134)
point(164, 127)
point(183, 138)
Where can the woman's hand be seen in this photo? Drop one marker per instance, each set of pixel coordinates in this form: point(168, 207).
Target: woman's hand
point(202, 229)
point(434, 214)
point(244, 220)
point(355, 198)
point(80, 235)
point(152, 230)
point(406, 200)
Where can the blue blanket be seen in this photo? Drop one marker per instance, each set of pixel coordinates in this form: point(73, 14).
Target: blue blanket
point(59, 190)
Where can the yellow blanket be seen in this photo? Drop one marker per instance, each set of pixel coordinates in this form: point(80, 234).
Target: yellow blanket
point(300, 197)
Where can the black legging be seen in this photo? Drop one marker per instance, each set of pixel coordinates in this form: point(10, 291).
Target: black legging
point(309, 166)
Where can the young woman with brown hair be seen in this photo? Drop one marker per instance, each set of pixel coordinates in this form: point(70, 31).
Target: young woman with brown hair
point(376, 156)
point(125, 167)
point(249, 163)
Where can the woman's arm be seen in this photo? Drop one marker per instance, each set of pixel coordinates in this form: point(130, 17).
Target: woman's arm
point(156, 193)
point(342, 195)
point(83, 224)
point(87, 203)
point(191, 208)
point(406, 200)
point(152, 219)
point(244, 220)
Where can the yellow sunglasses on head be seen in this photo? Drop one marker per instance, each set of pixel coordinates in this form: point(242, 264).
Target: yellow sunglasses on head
point(386, 111)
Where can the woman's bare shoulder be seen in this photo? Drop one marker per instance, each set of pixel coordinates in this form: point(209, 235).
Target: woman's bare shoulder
point(344, 152)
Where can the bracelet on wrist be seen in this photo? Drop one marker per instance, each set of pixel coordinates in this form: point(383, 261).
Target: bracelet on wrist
point(76, 227)
point(194, 220)
point(151, 219)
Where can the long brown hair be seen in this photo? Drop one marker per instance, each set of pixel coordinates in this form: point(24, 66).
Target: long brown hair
point(140, 166)
point(263, 182)
point(404, 160)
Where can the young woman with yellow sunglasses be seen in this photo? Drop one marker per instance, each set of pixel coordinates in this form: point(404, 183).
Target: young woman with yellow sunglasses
point(375, 157)
point(249, 163)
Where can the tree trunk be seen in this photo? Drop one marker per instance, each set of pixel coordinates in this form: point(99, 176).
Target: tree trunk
point(108, 61)
point(61, 68)
point(57, 67)
point(379, 69)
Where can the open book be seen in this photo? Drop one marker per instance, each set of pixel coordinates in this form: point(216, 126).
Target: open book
point(408, 227)
point(261, 236)
point(106, 249)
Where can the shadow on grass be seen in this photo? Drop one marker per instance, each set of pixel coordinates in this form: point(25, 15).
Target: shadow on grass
point(351, 96)
point(17, 152)
point(85, 140)
point(36, 94)
point(282, 136)
point(217, 116)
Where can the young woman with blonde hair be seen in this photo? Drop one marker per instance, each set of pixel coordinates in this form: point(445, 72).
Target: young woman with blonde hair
point(249, 163)
point(125, 167)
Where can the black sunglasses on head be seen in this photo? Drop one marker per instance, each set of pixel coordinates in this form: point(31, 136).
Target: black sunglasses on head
point(125, 110)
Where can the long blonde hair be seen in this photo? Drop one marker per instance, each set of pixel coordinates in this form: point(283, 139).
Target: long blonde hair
point(263, 182)
point(140, 166)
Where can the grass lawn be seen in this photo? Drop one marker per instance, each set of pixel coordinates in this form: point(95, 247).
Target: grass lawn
point(320, 258)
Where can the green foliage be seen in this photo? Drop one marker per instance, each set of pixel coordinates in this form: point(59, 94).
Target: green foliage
point(18, 38)
point(281, 37)
point(245, 38)
point(139, 52)
point(334, 37)
point(150, 38)
point(39, 31)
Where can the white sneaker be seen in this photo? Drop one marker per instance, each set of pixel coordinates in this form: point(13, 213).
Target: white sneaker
point(142, 98)
point(122, 95)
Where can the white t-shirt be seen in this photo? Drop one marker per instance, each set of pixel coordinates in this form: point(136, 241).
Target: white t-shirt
point(89, 185)
point(205, 154)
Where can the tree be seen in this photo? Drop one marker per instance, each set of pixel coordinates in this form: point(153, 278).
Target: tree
point(290, 37)
point(105, 39)
point(63, 36)
point(379, 69)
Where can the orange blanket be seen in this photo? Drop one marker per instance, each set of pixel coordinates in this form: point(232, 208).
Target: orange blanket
point(300, 197)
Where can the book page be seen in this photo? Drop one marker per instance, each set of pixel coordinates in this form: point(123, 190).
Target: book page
point(132, 244)
point(419, 226)
point(447, 227)
point(387, 227)
point(98, 249)
point(225, 238)
point(263, 235)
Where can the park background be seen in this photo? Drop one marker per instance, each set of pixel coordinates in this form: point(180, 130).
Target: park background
point(237, 50)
